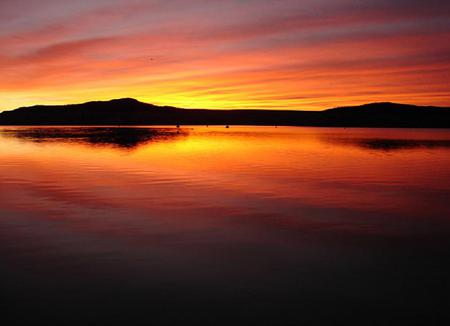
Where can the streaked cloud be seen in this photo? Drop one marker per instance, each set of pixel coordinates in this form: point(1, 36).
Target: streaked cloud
point(225, 54)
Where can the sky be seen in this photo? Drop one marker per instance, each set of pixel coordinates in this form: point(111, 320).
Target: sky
point(269, 54)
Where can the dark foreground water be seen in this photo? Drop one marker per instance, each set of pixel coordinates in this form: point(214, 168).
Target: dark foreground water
point(215, 226)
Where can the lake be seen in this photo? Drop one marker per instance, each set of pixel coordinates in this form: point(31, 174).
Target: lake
point(217, 226)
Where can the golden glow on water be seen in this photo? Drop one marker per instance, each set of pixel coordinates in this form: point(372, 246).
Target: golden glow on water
point(324, 167)
point(253, 213)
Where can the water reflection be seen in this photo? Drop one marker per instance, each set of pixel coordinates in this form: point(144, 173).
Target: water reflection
point(238, 225)
point(386, 144)
point(132, 137)
point(121, 137)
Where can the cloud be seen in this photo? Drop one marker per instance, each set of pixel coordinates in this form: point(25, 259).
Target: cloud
point(197, 52)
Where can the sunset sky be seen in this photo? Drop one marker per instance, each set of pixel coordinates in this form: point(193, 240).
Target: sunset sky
point(286, 54)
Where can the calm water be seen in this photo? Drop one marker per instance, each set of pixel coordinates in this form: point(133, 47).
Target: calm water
point(209, 226)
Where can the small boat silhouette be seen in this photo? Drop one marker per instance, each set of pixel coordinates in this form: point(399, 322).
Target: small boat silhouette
point(227, 126)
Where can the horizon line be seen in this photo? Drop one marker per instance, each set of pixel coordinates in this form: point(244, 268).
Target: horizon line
point(221, 109)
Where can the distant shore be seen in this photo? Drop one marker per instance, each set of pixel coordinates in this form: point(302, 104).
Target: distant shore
point(132, 112)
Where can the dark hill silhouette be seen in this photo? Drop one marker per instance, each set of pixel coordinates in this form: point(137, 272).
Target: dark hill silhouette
point(128, 111)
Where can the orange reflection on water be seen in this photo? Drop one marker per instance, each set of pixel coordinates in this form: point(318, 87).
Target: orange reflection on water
point(245, 214)
point(336, 168)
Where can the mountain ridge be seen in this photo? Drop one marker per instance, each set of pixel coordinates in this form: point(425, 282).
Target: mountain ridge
point(111, 112)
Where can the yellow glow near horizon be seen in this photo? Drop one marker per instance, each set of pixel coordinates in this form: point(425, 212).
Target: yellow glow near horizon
point(298, 55)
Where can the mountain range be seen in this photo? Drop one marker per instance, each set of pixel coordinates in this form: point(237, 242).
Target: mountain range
point(128, 111)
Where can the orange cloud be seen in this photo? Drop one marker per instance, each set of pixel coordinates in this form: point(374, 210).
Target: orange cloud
point(289, 54)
